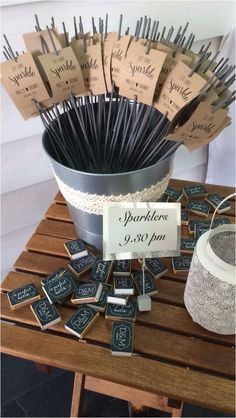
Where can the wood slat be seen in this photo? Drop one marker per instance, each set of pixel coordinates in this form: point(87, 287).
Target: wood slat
point(59, 198)
point(145, 374)
point(161, 315)
point(48, 245)
point(186, 351)
point(177, 319)
point(55, 246)
point(59, 212)
point(16, 279)
point(52, 245)
point(56, 229)
point(168, 291)
point(39, 263)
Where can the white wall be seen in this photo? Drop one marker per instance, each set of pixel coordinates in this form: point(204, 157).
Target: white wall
point(27, 183)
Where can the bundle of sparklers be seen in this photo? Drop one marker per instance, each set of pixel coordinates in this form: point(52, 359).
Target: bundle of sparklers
point(115, 103)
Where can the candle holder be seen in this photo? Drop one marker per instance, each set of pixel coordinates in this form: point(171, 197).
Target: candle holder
point(210, 290)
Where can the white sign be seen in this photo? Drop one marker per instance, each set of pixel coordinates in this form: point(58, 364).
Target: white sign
point(131, 229)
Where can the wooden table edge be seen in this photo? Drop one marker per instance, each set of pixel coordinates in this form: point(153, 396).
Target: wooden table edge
point(189, 380)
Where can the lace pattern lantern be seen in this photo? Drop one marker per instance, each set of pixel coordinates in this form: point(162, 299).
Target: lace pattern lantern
point(210, 290)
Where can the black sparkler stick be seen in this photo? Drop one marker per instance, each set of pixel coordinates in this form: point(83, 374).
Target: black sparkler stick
point(65, 34)
point(10, 48)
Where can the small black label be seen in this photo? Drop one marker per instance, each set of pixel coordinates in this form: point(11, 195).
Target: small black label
point(100, 271)
point(23, 293)
point(45, 312)
point(182, 263)
point(194, 205)
point(194, 191)
point(75, 247)
point(149, 284)
point(122, 337)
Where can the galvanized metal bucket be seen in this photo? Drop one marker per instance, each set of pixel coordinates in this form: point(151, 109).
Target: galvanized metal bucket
point(89, 226)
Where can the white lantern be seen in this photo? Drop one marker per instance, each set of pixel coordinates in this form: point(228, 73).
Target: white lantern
point(210, 290)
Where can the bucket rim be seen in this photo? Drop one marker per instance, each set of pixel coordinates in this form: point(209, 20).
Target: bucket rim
point(169, 157)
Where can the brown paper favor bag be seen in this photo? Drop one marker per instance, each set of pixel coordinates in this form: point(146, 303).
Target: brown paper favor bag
point(201, 128)
point(106, 57)
point(92, 69)
point(178, 90)
point(118, 55)
point(140, 73)
point(64, 73)
point(23, 83)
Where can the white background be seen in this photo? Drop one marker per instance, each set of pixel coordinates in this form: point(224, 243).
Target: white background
point(27, 181)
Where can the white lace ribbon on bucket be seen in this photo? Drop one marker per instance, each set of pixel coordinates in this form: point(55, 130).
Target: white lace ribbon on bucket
point(93, 203)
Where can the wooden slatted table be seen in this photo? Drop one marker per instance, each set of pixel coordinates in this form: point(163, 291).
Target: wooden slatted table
point(177, 360)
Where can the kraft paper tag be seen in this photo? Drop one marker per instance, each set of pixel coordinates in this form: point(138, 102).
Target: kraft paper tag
point(64, 73)
point(86, 37)
point(178, 90)
point(210, 97)
point(167, 67)
point(141, 41)
point(225, 95)
point(164, 48)
point(78, 47)
point(33, 41)
point(23, 83)
point(195, 58)
point(202, 127)
point(97, 38)
point(62, 39)
point(33, 44)
point(47, 103)
point(92, 69)
point(140, 73)
point(106, 57)
point(118, 56)
point(182, 57)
